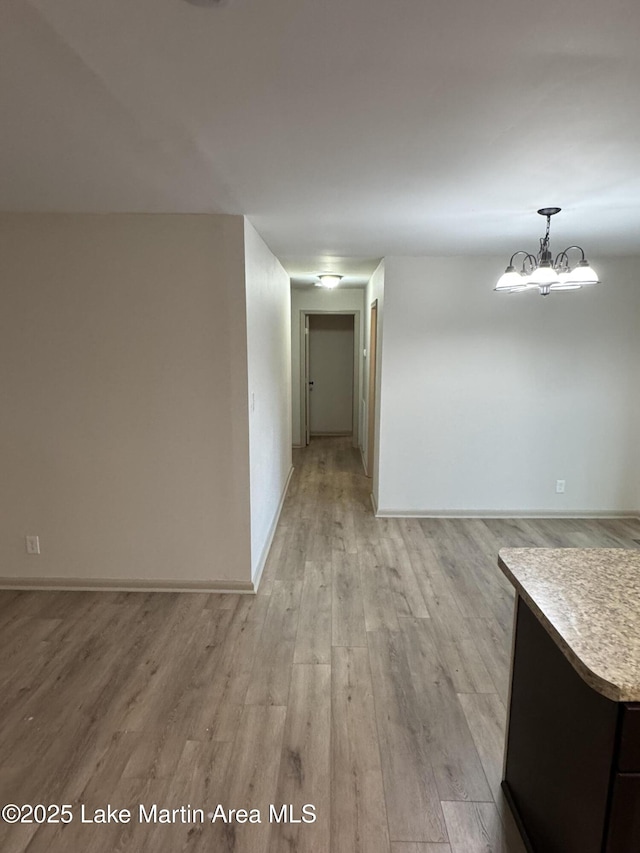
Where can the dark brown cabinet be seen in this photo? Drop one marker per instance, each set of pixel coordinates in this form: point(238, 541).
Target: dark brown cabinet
point(629, 750)
point(624, 820)
point(572, 768)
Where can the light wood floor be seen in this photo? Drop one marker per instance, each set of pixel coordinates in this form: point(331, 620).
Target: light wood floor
point(368, 677)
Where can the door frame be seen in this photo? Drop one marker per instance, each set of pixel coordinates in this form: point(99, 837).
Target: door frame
point(372, 364)
point(305, 313)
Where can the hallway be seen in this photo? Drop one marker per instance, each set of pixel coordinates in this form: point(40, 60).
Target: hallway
point(368, 677)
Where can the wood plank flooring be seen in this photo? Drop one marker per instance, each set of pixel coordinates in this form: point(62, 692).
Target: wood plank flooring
point(368, 677)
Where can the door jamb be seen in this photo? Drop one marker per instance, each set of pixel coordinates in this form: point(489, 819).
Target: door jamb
point(371, 379)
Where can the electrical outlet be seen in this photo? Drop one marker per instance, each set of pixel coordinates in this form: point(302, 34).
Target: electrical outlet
point(33, 544)
point(560, 484)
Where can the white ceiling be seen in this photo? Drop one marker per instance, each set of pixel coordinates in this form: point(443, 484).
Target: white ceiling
point(345, 129)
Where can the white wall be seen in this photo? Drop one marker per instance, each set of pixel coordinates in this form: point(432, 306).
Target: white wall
point(317, 299)
point(634, 464)
point(488, 399)
point(374, 292)
point(123, 378)
point(331, 369)
point(269, 388)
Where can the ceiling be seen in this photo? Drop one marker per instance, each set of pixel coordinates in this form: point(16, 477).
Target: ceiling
point(345, 129)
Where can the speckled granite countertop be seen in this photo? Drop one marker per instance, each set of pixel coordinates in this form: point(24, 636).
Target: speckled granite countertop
point(588, 599)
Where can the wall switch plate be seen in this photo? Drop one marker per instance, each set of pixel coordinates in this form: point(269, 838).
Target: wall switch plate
point(33, 544)
point(560, 484)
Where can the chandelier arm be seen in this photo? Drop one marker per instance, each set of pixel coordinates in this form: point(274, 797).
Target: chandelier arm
point(520, 252)
point(527, 257)
point(568, 249)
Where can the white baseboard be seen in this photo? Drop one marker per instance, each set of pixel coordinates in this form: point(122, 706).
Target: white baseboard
point(257, 575)
point(499, 513)
point(125, 585)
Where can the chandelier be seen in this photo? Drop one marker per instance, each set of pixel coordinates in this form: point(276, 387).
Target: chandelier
point(540, 272)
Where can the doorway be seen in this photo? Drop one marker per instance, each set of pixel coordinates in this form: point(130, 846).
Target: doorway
point(330, 375)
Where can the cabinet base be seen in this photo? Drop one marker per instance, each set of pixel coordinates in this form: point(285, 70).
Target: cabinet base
point(516, 816)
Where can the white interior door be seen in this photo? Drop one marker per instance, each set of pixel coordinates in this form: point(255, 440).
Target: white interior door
point(331, 374)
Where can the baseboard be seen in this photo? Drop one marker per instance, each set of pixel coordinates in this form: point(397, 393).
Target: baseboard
point(500, 513)
point(124, 585)
point(374, 505)
point(257, 575)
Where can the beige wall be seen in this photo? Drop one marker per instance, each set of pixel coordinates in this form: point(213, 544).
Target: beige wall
point(489, 398)
point(123, 378)
point(269, 378)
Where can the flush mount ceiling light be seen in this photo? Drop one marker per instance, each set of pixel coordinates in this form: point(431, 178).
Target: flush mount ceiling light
point(329, 280)
point(540, 272)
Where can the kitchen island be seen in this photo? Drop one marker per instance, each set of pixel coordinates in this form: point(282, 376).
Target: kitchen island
point(572, 755)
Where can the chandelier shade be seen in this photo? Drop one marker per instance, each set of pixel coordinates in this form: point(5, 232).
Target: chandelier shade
point(511, 280)
point(540, 272)
point(544, 274)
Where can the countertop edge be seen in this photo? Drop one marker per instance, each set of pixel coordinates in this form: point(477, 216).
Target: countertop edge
point(597, 682)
